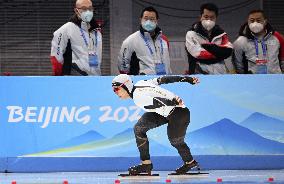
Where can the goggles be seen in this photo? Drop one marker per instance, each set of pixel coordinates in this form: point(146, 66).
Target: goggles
point(117, 86)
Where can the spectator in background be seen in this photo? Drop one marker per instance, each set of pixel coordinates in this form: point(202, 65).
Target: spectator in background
point(259, 49)
point(77, 45)
point(145, 52)
point(207, 45)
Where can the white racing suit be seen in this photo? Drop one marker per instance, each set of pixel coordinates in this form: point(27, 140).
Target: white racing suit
point(162, 107)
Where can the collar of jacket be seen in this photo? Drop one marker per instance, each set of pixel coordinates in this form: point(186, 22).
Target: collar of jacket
point(198, 28)
point(78, 22)
point(157, 32)
point(245, 31)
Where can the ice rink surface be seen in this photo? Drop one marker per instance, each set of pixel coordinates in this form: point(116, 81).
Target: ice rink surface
point(215, 176)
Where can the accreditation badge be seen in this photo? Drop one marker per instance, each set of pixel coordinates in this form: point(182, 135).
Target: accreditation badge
point(93, 60)
point(261, 65)
point(160, 69)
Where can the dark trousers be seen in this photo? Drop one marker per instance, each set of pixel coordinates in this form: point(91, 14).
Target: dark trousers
point(177, 122)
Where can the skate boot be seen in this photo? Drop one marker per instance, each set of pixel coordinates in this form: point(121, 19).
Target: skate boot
point(141, 169)
point(186, 167)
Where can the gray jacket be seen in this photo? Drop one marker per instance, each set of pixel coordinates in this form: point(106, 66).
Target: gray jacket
point(248, 50)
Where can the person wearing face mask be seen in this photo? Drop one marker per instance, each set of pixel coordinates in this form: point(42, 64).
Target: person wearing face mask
point(76, 47)
point(207, 44)
point(145, 52)
point(259, 49)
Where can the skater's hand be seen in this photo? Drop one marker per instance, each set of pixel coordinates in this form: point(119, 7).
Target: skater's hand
point(191, 80)
point(179, 101)
point(195, 80)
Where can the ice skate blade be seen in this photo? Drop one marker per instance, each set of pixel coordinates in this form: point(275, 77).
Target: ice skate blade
point(142, 176)
point(189, 175)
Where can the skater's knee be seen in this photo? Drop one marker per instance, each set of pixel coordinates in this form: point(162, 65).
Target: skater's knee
point(139, 129)
point(176, 142)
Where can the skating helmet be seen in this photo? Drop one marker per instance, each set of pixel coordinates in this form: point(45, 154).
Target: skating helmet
point(124, 81)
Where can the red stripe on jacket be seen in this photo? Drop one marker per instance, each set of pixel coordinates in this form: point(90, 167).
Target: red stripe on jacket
point(166, 39)
point(281, 41)
point(56, 66)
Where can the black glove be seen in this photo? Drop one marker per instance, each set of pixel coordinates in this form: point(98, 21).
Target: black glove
point(172, 79)
point(187, 79)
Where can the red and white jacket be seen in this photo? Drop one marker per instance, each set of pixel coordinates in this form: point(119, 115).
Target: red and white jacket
point(206, 53)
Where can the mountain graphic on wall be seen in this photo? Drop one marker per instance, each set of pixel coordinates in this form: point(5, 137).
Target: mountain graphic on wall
point(122, 144)
point(265, 126)
point(228, 138)
point(224, 137)
point(84, 138)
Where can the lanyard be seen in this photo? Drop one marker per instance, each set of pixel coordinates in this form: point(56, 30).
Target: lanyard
point(162, 49)
point(85, 39)
point(149, 47)
point(264, 49)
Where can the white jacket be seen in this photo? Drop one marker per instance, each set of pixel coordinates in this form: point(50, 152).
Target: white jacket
point(135, 51)
point(72, 33)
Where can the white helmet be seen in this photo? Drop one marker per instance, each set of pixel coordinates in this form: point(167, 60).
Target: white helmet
point(124, 81)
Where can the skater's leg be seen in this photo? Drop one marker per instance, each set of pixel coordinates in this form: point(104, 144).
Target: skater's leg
point(148, 121)
point(178, 123)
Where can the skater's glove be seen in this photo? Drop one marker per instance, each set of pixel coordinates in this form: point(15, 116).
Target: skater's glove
point(191, 80)
point(178, 101)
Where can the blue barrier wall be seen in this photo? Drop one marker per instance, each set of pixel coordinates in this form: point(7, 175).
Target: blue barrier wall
point(78, 124)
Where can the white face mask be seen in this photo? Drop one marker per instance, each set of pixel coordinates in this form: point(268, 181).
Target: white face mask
point(149, 25)
point(208, 24)
point(87, 16)
point(256, 27)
